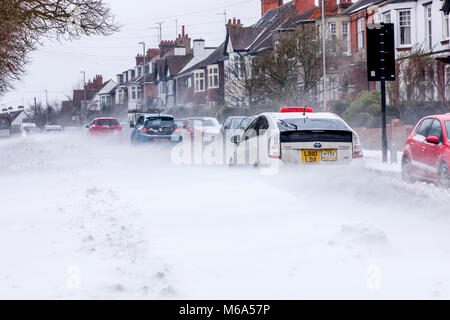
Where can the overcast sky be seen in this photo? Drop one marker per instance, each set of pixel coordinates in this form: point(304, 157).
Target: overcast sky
point(56, 66)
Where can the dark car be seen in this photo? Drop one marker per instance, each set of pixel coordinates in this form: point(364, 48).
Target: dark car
point(156, 128)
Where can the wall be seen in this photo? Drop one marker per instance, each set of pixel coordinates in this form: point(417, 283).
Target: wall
point(371, 138)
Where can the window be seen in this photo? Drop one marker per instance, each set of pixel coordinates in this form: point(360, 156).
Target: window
point(447, 127)
point(133, 93)
point(171, 87)
point(332, 29)
point(446, 26)
point(119, 96)
point(162, 88)
point(188, 82)
point(346, 37)
point(436, 129)
point(199, 77)
point(387, 17)
point(422, 129)
point(404, 18)
point(213, 77)
point(139, 69)
point(428, 26)
point(361, 33)
point(139, 93)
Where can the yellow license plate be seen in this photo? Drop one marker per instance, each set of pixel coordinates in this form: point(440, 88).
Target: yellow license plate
point(316, 156)
point(160, 139)
point(311, 156)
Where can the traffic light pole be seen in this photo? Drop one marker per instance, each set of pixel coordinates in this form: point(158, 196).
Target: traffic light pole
point(384, 145)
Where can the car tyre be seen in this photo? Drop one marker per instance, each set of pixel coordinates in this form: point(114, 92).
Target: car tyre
point(406, 170)
point(443, 176)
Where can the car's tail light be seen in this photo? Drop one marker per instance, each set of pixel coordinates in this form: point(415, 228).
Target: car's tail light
point(296, 109)
point(357, 149)
point(144, 130)
point(176, 131)
point(275, 146)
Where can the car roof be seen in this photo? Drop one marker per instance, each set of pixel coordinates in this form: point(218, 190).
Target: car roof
point(443, 117)
point(105, 118)
point(301, 115)
point(200, 118)
point(154, 115)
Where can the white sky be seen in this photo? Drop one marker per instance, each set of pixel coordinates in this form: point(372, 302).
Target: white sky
point(56, 66)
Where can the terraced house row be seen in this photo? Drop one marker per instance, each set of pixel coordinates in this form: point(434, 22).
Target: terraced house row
point(186, 72)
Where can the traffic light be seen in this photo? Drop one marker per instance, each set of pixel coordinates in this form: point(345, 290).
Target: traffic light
point(374, 47)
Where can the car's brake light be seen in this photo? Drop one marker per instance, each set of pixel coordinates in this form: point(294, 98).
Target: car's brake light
point(296, 109)
point(357, 149)
point(275, 146)
point(144, 130)
point(176, 131)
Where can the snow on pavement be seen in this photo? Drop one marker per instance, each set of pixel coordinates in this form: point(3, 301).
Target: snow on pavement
point(100, 219)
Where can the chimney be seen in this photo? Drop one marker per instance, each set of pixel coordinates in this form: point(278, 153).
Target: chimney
point(166, 46)
point(267, 5)
point(199, 47)
point(235, 24)
point(344, 4)
point(183, 40)
point(305, 5)
point(152, 53)
point(139, 59)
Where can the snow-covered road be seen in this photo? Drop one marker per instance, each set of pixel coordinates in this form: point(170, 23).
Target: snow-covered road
point(100, 219)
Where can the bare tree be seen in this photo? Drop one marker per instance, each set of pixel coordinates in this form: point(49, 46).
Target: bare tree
point(23, 23)
point(241, 82)
point(42, 115)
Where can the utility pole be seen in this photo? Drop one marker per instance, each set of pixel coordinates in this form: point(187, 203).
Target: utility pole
point(324, 58)
point(160, 30)
point(83, 104)
point(384, 145)
point(176, 28)
point(143, 71)
point(224, 13)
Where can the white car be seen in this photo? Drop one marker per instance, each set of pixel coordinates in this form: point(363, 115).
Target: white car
point(54, 128)
point(302, 138)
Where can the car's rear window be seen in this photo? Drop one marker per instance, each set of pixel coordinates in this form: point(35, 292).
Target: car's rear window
point(311, 124)
point(160, 122)
point(447, 127)
point(107, 122)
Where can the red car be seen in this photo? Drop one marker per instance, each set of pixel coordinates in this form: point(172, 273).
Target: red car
point(101, 126)
point(427, 152)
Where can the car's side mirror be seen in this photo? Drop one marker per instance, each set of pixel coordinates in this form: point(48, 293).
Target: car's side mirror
point(235, 139)
point(87, 126)
point(433, 140)
point(131, 125)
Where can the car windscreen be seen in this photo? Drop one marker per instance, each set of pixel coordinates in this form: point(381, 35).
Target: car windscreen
point(447, 127)
point(244, 123)
point(298, 124)
point(107, 122)
point(235, 122)
point(160, 122)
point(202, 123)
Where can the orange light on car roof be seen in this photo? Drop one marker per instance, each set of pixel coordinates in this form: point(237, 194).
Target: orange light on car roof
point(296, 109)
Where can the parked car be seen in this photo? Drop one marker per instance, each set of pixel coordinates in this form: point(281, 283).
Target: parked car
point(208, 128)
point(426, 155)
point(30, 130)
point(53, 128)
point(5, 128)
point(301, 138)
point(231, 125)
point(104, 126)
point(156, 128)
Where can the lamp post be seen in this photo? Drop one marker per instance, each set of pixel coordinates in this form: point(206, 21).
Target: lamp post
point(46, 106)
point(84, 98)
point(324, 58)
point(143, 71)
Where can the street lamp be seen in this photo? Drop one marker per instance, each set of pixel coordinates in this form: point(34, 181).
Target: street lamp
point(143, 71)
point(324, 58)
point(46, 106)
point(84, 97)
